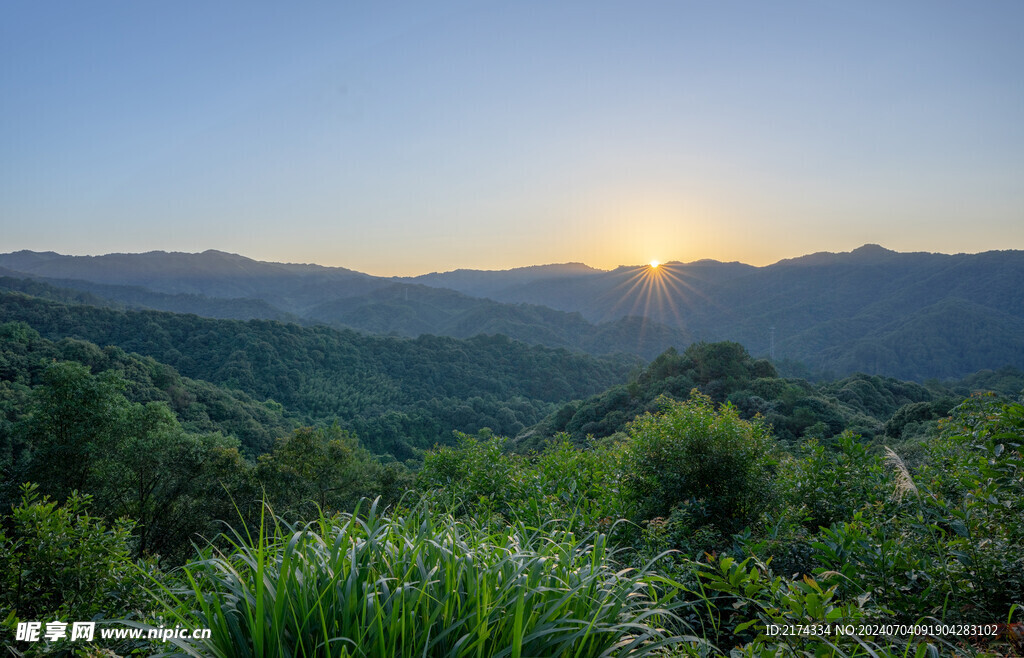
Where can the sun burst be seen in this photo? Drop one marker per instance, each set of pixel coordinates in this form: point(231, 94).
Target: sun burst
point(659, 292)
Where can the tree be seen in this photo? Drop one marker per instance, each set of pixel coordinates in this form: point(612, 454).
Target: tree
point(722, 360)
point(321, 466)
point(163, 478)
point(75, 418)
point(135, 460)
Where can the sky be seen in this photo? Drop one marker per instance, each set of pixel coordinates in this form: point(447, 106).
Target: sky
point(399, 138)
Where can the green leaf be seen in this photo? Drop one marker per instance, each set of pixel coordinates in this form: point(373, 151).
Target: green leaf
point(960, 529)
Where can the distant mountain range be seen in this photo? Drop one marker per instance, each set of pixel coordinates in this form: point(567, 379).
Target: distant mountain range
point(906, 315)
point(227, 286)
point(287, 287)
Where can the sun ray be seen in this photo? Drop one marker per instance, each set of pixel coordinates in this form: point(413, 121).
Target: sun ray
point(655, 292)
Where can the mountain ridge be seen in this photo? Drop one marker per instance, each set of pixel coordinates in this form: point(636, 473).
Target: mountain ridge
point(833, 311)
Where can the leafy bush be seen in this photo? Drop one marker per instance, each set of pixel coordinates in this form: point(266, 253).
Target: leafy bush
point(577, 489)
point(743, 598)
point(60, 563)
point(826, 486)
point(943, 539)
point(972, 491)
point(692, 454)
point(322, 468)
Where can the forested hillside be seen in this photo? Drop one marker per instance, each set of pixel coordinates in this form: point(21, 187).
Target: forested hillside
point(137, 297)
point(874, 407)
point(163, 457)
point(397, 394)
point(199, 405)
point(288, 287)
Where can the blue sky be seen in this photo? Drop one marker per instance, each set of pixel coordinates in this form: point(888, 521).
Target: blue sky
point(408, 137)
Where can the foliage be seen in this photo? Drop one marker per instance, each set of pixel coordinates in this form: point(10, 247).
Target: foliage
point(708, 461)
point(799, 503)
point(168, 481)
point(323, 469)
point(114, 435)
point(399, 395)
point(418, 584)
point(936, 544)
point(75, 420)
point(59, 562)
point(136, 461)
point(828, 485)
point(743, 599)
point(795, 409)
point(971, 490)
point(573, 488)
point(201, 407)
point(939, 540)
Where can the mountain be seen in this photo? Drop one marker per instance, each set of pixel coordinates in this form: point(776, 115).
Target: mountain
point(413, 310)
point(288, 287)
point(943, 340)
point(906, 315)
point(873, 407)
point(598, 295)
point(725, 372)
point(137, 297)
point(44, 290)
point(872, 309)
point(227, 286)
point(492, 283)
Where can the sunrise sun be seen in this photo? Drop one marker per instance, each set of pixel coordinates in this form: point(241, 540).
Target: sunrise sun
point(655, 263)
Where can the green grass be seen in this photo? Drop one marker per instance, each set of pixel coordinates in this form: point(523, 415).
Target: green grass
point(418, 584)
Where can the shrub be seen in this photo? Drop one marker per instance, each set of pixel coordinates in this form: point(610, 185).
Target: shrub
point(58, 563)
point(828, 485)
point(577, 488)
point(694, 454)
